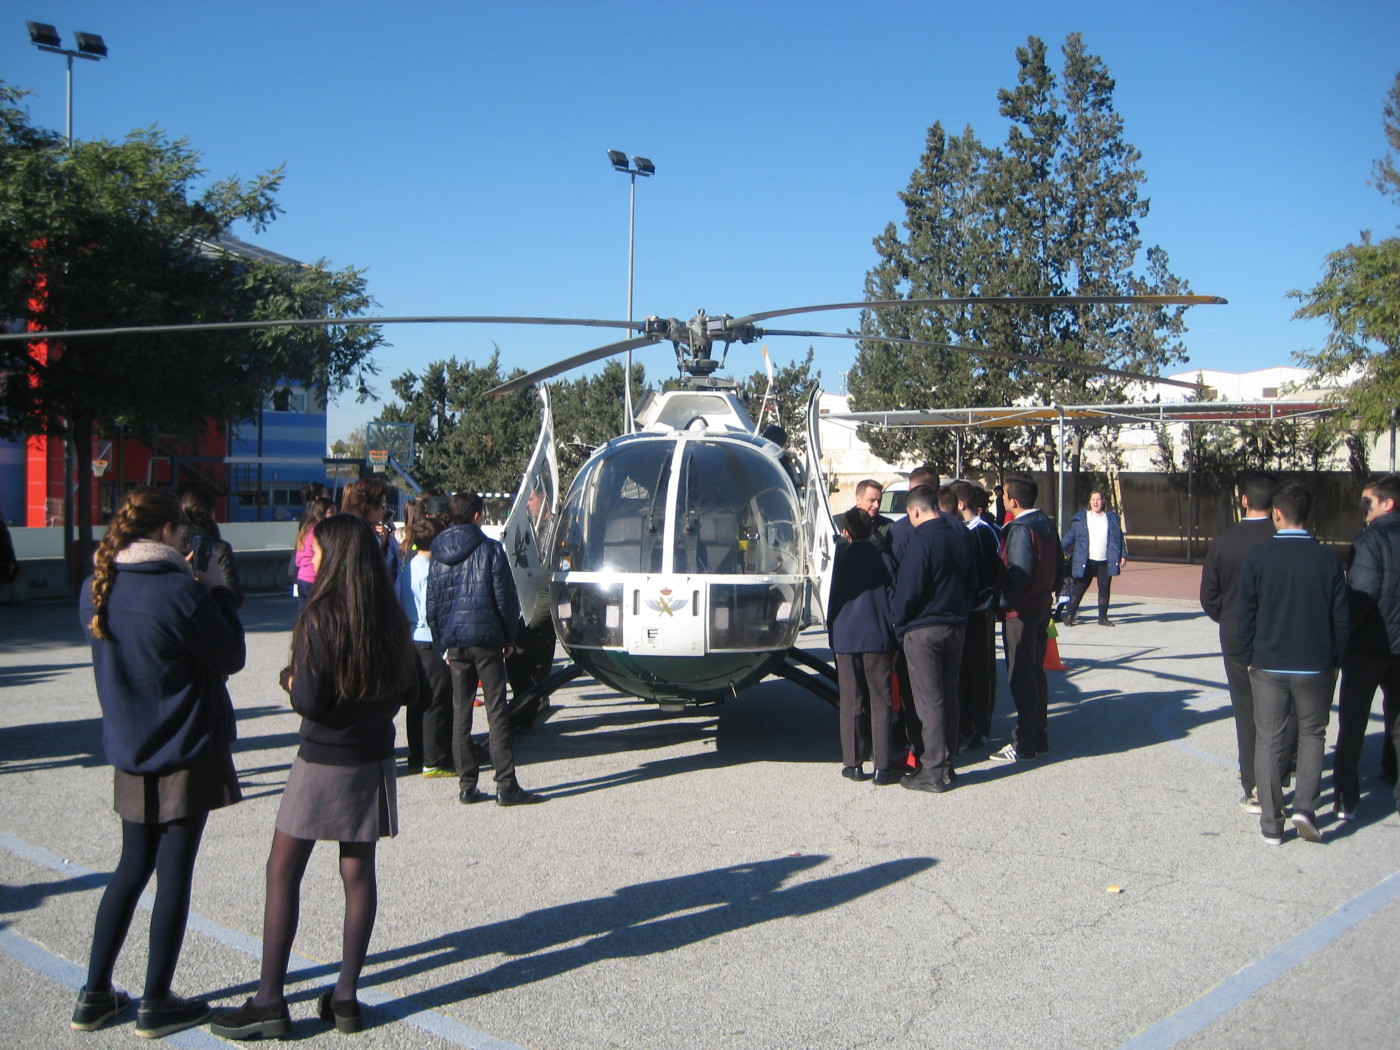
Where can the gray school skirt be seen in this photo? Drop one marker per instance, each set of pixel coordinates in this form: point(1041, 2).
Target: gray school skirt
point(340, 803)
point(211, 783)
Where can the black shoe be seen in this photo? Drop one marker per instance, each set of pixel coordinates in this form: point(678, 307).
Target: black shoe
point(976, 742)
point(1070, 621)
point(516, 796)
point(468, 795)
point(885, 777)
point(345, 1016)
point(253, 1022)
point(924, 781)
point(94, 1009)
point(854, 773)
point(160, 1017)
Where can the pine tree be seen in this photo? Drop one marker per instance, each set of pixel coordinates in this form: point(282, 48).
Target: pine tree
point(947, 250)
point(1054, 211)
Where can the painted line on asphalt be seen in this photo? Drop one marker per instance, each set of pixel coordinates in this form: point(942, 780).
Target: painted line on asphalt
point(72, 975)
point(1259, 974)
point(1161, 725)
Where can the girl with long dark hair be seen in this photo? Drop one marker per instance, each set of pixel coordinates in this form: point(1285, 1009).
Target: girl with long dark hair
point(163, 643)
point(353, 667)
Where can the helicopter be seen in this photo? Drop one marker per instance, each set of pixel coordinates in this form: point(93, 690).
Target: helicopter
point(691, 550)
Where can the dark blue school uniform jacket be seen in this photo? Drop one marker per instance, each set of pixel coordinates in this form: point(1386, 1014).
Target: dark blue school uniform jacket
point(858, 612)
point(160, 679)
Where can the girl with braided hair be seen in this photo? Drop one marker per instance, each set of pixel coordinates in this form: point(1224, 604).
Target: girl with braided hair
point(164, 641)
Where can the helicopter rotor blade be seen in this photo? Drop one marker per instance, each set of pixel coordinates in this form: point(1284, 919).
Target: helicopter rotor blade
point(996, 300)
point(307, 322)
point(577, 361)
point(1008, 355)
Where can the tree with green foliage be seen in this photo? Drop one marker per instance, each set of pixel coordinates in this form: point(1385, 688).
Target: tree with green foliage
point(948, 246)
point(588, 413)
point(1359, 298)
point(1054, 211)
point(103, 235)
point(466, 441)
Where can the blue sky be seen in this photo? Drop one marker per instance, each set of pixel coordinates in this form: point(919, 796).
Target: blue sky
point(456, 150)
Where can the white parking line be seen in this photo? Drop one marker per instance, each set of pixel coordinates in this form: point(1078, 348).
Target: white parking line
point(1259, 974)
point(72, 975)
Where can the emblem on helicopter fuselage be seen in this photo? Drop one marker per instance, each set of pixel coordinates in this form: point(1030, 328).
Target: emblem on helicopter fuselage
point(664, 603)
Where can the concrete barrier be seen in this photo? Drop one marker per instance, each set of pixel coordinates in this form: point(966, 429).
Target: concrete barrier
point(41, 579)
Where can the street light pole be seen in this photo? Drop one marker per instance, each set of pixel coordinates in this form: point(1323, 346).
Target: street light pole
point(646, 169)
point(90, 46)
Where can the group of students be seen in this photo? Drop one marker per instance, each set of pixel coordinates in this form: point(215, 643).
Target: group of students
point(166, 636)
point(1292, 615)
point(914, 606)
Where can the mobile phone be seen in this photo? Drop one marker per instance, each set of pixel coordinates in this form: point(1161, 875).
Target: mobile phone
point(203, 550)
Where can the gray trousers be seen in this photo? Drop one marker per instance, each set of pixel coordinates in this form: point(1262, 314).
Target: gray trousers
point(864, 679)
point(1309, 698)
point(1242, 705)
point(934, 655)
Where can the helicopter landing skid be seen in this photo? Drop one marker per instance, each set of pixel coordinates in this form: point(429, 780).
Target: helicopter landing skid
point(525, 708)
point(821, 684)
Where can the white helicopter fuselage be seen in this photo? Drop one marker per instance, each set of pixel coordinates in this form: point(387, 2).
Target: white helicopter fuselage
point(680, 562)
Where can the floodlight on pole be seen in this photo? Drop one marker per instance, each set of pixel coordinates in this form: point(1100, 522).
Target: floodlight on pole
point(645, 168)
point(90, 46)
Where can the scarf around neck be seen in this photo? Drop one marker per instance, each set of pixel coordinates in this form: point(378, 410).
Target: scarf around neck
point(145, 551)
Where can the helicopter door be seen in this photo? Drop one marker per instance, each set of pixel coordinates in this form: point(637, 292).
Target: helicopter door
point(821, 530)
point(529, 527)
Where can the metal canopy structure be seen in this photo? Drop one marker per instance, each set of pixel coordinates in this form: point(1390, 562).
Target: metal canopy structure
point(985, 417)
point(1157, 414)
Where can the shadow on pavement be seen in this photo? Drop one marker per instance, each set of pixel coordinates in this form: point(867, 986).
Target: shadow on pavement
point(636, 921)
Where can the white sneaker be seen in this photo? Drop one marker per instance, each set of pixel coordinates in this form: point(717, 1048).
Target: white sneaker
point(1006, 754)
point(1250, 803)
point(1272, 840)
point(1306, 828)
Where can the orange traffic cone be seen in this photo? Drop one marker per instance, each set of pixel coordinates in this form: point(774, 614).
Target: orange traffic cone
point(1052, 653)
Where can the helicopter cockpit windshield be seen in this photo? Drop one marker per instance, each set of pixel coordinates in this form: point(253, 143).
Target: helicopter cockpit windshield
point(733, 506)
point(735, 514)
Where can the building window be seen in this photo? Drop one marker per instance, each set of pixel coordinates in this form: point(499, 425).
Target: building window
point(285, 399)
point(1271, 392)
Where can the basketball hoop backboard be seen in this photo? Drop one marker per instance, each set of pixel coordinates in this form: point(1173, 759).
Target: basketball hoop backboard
point(391, 439)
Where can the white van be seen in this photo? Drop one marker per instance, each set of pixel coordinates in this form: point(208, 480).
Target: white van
point(892, 499)
point(896, 492)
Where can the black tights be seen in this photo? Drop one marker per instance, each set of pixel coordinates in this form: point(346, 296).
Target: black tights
point(286, 865)
point(168, 850)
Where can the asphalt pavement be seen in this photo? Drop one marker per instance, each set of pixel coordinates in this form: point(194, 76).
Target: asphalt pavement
point(708, 880)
